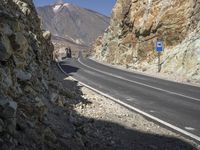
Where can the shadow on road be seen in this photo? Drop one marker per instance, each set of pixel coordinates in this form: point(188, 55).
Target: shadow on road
point(89, 134)
point(69, 69)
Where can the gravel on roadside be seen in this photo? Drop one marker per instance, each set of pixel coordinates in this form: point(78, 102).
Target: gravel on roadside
point(104, 109)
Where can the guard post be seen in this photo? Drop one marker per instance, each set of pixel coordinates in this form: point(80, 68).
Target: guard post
point(159, 49)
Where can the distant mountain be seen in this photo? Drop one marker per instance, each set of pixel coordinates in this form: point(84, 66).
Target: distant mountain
point(79, 25)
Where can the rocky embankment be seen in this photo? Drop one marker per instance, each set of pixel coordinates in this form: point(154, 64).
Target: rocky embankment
point(136, 25)
point(27, 86)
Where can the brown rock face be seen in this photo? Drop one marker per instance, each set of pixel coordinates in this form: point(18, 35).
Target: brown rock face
point(136, 25)
point(25, 73)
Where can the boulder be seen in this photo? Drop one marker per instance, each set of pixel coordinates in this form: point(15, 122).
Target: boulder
point(6, 78)
point(5, 28)
point(5, 48)
point(21, 41)
point(23, 6)
point(19, 44)
point(19, 62)
point(8, 111)
point(22, 75)
point(26, 10)
point(53, 97)
point(41, 108)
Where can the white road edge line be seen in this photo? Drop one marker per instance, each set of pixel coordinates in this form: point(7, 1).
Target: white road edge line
point(149, 86)
point(137, 110)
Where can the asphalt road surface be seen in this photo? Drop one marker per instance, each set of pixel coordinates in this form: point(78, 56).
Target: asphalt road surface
point(173, 103)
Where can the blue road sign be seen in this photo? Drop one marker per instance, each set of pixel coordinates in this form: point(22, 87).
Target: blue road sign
point(159, 46)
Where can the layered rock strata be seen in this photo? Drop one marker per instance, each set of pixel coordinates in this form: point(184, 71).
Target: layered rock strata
point(137, 25)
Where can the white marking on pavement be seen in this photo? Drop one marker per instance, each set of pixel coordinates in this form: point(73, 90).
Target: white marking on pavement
point(151, 111)
point(190, 128)
point(143, 84)
point(138, 110)
point(129, 99)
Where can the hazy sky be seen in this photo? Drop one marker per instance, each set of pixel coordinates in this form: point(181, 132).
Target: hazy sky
point(102, 6)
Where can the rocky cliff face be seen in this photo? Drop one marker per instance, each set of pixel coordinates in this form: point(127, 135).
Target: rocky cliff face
point(26, 81)
point(135, 27)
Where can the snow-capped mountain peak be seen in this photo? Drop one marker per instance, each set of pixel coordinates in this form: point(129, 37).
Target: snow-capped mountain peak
point(58, 7)
point(66, 4)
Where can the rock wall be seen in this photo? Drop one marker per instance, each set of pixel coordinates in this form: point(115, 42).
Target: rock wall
point(136, 25)
point(26, 80)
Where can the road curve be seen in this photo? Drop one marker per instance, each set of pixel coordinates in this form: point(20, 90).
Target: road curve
point(173, 104)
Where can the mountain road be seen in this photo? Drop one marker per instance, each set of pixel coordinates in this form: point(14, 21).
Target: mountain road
point(173, 104)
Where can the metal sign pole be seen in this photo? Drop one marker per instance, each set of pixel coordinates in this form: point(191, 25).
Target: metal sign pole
point(159, 49)
point(159, 64)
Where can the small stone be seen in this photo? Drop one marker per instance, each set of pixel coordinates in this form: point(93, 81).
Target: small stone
point(39, 102)
point(29, 89)
point(54, 97)
point(24, 5)
point(49, 135)
point(112, 142)
point(6, 78)
point(41, 108)
point(47, 35)
point(153, 147)
point(31, 124)
point(1, 125)
point(67, 135)
point(26, 10)
point(45, 84)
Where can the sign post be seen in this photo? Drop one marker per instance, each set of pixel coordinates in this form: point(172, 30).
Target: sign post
point(159, 49)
